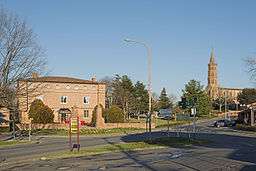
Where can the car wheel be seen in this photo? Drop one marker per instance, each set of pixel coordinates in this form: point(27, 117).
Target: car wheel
point(218, 126)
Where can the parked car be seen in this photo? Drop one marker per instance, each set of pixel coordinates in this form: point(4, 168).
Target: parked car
point(224, 123)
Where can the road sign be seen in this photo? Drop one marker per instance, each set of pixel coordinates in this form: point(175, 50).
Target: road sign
point(182, 117)
point(165, 113)
point(74, 123)
point(74, 128)
point(193, 111)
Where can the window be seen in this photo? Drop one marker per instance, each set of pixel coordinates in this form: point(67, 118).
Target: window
point(85, 87)
point(57, 86)
point(86, 114)
point(30, 85)
point(47, 86)
point(39, 86)
point(76, 87)
point(63, 99)
point(86, 99)
point(40, 97)
point(93, 88)
point(67, 87)
point(101, 88)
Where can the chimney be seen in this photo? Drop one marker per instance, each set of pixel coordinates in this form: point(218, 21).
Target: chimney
point(93, 79)
point(35, 75)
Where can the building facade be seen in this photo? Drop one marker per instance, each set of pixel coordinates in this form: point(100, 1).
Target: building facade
point(214, 90)
point(64, 95)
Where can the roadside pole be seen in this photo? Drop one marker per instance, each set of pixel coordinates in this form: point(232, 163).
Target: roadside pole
point(178, 135)
point(13, 129)
point(194, 113)
point(29, 131)
point(70, 134)
point(168, 132)
point(147, 138)
point(189, 128)
point(78, 145)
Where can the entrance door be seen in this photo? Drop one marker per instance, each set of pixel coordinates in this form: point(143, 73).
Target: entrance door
point(63, 117)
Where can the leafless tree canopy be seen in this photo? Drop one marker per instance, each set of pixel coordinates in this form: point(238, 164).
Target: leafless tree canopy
point(252, 66)
point(20, 54)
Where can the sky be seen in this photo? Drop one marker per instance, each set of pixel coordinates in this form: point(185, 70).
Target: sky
point(85, 39)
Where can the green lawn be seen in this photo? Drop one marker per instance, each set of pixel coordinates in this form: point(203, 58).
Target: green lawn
point(159, 142)
point(93, 131)
point(4, 129)
point(159, 122)
point(3, 143)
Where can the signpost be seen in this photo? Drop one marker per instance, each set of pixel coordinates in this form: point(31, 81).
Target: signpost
point(184, 103)
point(74, 128)
point(183, 117)
point(166, 113)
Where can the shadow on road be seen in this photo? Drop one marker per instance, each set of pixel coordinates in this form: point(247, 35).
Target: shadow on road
point(244, 148)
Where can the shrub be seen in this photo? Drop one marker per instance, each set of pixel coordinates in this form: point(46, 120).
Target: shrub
point(93, 122)
point(114, 115)
point(40, 112)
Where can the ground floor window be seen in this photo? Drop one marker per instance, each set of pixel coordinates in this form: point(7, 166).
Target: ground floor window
point(86, 114)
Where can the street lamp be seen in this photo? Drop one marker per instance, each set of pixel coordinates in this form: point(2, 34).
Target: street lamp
point(149, 84)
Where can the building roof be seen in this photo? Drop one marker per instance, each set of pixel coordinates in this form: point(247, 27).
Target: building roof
point(61, 80)
point(238, 89)
point(212, 61)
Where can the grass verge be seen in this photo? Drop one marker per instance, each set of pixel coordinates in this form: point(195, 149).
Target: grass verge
point(162, 122)
point(4, 143)
point(92, 131)
point(245, 127)
point(159, 142)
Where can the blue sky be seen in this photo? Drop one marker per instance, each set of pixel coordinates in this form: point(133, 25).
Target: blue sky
point(84, 39)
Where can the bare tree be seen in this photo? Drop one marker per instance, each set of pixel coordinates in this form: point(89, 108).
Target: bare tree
point(221, 97)
point(109, 90)
point(155, 100)
point(251, 66)
point(20, 54)
point(172, 99)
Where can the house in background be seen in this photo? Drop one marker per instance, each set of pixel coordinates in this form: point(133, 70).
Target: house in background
point(63, 95)
point(6, 114)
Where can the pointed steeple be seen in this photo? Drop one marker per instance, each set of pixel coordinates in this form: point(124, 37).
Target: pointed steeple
point(212, 58)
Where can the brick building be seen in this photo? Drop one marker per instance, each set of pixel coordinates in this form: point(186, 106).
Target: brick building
point(64, 95)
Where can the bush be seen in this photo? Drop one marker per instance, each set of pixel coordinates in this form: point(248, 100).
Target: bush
point(93, 122)
point(40, 112)
point(246, 127)
point(111, 115)
point(114, 115)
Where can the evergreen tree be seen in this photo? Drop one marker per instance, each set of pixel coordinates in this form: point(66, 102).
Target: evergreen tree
point(164, 100)
point(195, 90)
point(40, 112)
point(141, 97)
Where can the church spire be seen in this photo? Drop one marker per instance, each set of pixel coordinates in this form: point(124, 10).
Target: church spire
point(212, 58)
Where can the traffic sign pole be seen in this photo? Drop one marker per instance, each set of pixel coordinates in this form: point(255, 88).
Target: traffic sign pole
point(70, 134)
point(168, 133)
point(194, 113)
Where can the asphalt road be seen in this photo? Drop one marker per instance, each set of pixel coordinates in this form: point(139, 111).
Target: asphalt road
point(234, 150)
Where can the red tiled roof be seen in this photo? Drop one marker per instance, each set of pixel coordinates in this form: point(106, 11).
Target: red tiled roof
point(61, 80)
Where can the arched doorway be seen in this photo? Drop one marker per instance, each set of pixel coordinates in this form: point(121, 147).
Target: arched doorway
point(64, 114)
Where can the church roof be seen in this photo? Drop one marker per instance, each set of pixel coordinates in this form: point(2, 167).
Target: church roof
point(212, 59)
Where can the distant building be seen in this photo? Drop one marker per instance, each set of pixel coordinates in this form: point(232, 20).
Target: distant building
point(213, 89)
point(5, 115)
point(63, 95)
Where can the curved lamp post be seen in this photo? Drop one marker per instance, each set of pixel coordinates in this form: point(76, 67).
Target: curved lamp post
point(149, 89)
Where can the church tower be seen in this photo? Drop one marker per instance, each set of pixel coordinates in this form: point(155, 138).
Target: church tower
point(212, 86)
